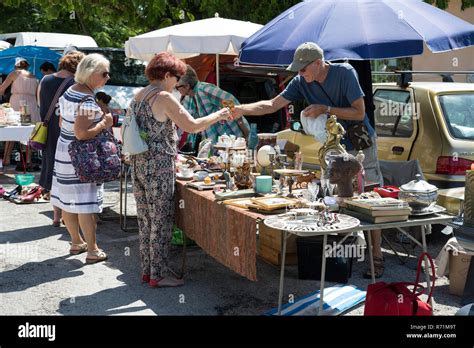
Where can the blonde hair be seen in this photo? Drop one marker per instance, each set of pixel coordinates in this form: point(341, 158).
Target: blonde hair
point(90, 64)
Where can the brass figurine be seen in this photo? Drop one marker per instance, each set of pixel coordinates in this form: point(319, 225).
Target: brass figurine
point(332, 146)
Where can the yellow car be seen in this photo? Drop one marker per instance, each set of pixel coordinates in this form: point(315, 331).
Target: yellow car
point(429, 121)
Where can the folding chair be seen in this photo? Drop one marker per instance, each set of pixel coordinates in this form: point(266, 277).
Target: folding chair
point(397, 173)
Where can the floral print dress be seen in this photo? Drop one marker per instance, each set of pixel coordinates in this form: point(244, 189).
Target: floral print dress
point(153, 177)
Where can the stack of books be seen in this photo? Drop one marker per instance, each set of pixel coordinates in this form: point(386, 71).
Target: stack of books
point(378, 210)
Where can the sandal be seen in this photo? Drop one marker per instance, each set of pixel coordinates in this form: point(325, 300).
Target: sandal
point(166, 282)
point(97, 256)
point(378, 268)
point(77, 249)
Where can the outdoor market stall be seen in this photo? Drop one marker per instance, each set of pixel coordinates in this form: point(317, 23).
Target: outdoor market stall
point(226, 228)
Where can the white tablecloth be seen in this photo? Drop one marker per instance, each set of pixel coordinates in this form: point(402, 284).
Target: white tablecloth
point(16, 133)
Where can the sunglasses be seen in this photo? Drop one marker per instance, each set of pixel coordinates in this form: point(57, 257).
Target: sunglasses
point(106, 74)
point(180, 86)
point(303, 70)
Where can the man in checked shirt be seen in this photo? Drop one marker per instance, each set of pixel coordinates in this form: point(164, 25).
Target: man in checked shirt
point(202, 98)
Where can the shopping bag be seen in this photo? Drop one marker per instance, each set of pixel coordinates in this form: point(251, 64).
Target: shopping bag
point(396, 299)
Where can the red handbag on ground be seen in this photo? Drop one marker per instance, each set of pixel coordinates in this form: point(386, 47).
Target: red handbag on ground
point(397, 299)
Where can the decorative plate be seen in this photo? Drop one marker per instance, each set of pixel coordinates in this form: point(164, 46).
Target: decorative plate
point(310, 223)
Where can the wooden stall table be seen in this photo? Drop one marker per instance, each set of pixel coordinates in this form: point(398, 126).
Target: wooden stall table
point(227, 233)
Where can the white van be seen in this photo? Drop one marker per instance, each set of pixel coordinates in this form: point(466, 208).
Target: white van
point(51, 40)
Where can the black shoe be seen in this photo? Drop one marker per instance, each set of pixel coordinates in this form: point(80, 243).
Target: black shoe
point(14, 192)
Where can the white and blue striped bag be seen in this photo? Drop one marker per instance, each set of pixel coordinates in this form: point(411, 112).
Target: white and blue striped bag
point(337, 299)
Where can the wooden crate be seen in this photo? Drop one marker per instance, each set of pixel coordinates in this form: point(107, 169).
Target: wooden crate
point(274, 256)
point(269, 246)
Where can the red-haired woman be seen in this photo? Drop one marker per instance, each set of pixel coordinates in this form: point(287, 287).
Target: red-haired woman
point(157, 111)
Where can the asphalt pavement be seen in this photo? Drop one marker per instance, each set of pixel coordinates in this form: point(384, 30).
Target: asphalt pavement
point(39, 277)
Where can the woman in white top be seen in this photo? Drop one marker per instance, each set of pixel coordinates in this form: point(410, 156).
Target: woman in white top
point(83, 119)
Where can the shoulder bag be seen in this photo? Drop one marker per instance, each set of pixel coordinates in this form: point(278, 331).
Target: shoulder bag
point(357, 133)
point(96, 160)
point(133, 143)
point(39, 135)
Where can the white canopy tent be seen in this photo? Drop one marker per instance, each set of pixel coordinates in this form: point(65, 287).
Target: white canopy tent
point(4, 45)
point(207, 36)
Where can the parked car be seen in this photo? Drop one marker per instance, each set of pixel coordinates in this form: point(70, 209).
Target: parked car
point(429, 121)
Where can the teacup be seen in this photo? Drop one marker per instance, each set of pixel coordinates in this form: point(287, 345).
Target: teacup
point(186, 172)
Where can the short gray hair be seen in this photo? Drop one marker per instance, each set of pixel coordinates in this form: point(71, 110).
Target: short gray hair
point(90, 64)
point(190, 77)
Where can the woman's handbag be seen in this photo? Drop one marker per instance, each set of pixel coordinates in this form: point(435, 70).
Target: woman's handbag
point(39, 135)
point(396, 299)
point(133, 142)
point(96, 160)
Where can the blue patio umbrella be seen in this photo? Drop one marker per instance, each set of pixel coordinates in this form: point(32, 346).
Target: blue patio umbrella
point(358, 30)
point(35, 55)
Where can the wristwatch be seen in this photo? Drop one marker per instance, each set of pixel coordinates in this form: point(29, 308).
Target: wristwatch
point(328, 110)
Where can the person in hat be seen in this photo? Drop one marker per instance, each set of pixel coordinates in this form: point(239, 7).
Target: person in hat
point(329, 89)
point(24, 85)
point(202, 98)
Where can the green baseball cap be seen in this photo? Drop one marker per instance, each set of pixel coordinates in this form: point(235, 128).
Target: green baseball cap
point(305, 54)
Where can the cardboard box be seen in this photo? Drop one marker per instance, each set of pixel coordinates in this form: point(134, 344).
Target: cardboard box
point(458, 268)
point(451, 199)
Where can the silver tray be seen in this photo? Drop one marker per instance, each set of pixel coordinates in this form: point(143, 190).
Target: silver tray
point(434, 210)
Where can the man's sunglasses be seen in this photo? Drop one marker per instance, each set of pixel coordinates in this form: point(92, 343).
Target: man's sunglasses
point(180, 86)
point(106, 74)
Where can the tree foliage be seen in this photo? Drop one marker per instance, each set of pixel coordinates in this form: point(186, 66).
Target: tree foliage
point(112, 22)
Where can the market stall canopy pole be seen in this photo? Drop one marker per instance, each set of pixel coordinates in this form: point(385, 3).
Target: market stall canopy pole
point(213, 36)
point(357, 30)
